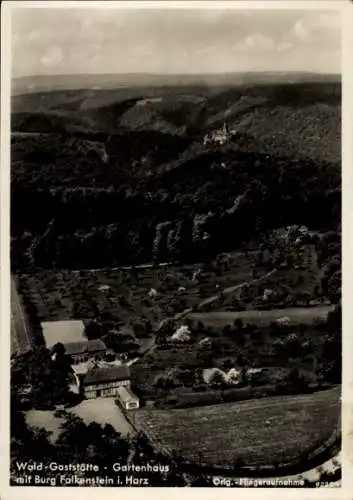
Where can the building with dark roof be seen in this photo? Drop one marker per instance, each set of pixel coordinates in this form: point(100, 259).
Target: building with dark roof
point(105, 381)
point(86, 349)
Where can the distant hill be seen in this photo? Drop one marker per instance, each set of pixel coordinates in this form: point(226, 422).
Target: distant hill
point(300, 118)
point(49, 83)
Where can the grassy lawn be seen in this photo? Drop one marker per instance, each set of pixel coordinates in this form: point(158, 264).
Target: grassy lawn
point(258, 432)
point(100, 410)
point(296, 315)
point(45, 419)
point(103, 411)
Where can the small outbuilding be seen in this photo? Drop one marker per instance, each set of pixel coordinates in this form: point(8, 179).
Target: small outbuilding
point(127, 399)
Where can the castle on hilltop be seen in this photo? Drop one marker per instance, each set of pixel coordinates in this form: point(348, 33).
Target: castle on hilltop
point(220, 136)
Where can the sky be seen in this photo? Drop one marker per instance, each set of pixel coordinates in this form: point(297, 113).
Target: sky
point(173, 41)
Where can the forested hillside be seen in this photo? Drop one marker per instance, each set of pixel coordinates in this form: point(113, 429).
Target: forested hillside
point(101, 178)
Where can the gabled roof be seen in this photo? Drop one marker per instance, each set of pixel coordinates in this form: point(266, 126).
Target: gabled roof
point(109, 374)
point(85, 346)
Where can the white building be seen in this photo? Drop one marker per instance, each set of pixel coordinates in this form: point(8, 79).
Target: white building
point(127, 399)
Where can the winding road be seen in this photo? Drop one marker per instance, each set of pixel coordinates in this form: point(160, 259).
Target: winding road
point(177, 317)
point(217, 296)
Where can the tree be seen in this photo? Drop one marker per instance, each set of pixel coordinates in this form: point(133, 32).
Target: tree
point(334, 320)
point(242, 360)
point(119, 342)
point(244, 378)
point(58, 350)
point(204, 357)
point(123, 302)
point(27, 444)
point(238, 324)
point(200, 328)
point(334, 287)
point(165, 330)
point(47, 378)
point(217, 379)
point(296, 381)
point(227, 331)
point(186, 377)
point(112, 340)
point(139, 329)
point(238, 463)
point(292, 346)
point(92, 443)
point(93, 329)
point(227, 364)
point(332, 266)
point(165, 382)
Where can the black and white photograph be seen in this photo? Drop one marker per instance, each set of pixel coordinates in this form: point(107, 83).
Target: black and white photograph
point(175, 314)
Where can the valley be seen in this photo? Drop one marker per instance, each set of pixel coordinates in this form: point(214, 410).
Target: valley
point(194, 230)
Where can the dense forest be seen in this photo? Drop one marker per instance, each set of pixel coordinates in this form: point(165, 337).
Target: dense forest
point(126, 182)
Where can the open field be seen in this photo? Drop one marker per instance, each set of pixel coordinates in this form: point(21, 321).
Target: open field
point(222, 434)
point(263, 318)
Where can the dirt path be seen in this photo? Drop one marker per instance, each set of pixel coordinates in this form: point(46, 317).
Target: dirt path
point(20, 330)
point(202, 303)
point(126, 268)
point(217, 296)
